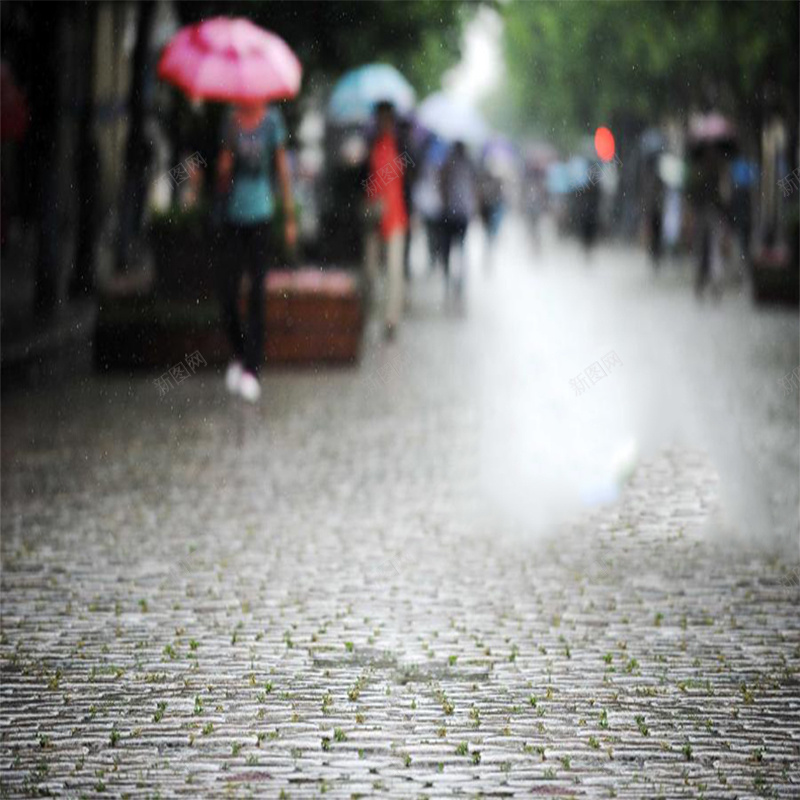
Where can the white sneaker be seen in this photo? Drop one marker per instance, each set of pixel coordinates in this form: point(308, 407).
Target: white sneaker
point(249, 387)
point(233, 377)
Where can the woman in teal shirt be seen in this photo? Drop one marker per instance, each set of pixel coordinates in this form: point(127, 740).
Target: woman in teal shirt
point(252, 137)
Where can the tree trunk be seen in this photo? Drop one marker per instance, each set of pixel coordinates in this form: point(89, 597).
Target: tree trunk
point(45, 106)
point(137, 149)
point(83, 278)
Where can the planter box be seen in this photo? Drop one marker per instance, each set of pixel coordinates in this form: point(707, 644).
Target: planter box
point(156, 334)
point(311, 317)
point(184, 261)
point(775, 276)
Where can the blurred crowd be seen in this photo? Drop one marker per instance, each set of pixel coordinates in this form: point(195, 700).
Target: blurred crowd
point(368, 184)
point(353, 171)
point(411, 173)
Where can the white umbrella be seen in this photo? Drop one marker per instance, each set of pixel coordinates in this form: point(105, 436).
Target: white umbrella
point(452, 119)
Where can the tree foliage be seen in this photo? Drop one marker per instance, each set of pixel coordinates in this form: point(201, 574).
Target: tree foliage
point(575, 65)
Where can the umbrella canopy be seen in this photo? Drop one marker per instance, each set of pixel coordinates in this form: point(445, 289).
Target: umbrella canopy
point(538, 155)
point(501, 156)
point(357, 92)
point(230, 60)
point(452, 120)
point(500, 147)
point(711, 128)
point(577, 170)
point(558, 178)
point(744, 173)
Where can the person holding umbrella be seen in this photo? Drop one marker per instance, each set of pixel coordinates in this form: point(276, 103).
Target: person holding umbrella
point(385, 197)
point(253, 138)
point(460, 196)
point(711, 140)
point(460, 124)
point(235, 61)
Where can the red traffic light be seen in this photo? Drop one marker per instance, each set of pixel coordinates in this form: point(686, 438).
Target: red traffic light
point(604, 144)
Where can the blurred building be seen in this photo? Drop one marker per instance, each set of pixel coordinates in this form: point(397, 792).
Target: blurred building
point(69, 182)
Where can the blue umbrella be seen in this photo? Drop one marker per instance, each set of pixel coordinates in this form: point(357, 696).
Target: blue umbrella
point(744, 173)
point(577, 173)
point(355, 95)
point(560, 178)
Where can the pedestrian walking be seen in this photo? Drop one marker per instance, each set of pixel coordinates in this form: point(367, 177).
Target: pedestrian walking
point(673, 219)
point(589, 212)
point(387, 216)
point(654, 201)
point(744, 176)
point(253, 150)
point(459, 193)
point(712, 140)
point(713, 233)
point(491, 210)
point(406, 147)
point(427, 199)
point(534, 204)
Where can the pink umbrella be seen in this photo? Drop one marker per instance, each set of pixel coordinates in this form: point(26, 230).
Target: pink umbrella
point(711, 128)
point(230, 60)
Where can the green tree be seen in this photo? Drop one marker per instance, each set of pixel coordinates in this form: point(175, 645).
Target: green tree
point(575, 65)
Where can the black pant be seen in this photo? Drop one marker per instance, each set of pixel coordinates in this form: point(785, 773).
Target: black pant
point(655, 236)
point(249, 247)
point(454, 231)
point(433, 228)
point(704, 260)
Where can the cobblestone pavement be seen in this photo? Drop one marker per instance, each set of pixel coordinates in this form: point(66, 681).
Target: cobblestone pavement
point(383, 582)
